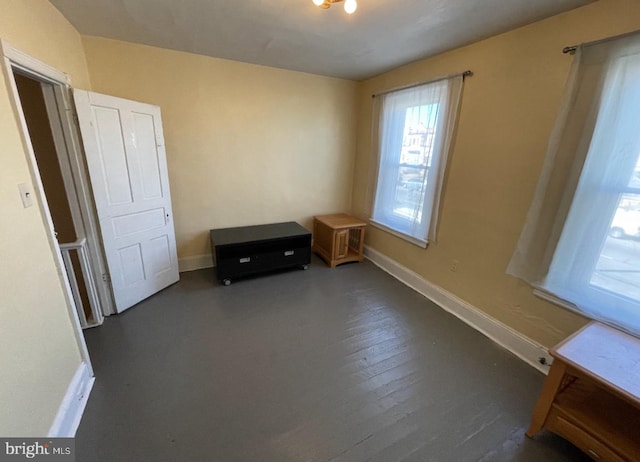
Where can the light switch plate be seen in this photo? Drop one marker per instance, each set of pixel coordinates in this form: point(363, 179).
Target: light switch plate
point(26, 194)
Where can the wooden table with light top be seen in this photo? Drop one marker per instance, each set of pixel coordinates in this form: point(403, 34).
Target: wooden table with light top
point(591, 396)
point(338, 238)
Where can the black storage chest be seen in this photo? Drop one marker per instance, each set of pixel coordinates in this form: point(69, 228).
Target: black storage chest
point(249, 250)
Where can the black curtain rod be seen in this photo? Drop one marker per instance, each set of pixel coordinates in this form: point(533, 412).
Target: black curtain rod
point(572, 49)
point(464, 75)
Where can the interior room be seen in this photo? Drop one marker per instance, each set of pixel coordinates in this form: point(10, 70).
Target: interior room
point(439, 340)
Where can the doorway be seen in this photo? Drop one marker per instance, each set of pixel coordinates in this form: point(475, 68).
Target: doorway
point(60, 198)
point(106, 200)
point(42, 100)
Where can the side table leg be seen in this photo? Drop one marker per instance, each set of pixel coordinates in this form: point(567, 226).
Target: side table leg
point(545, 400)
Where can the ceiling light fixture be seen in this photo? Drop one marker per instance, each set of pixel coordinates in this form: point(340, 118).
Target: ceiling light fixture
point(349, 5)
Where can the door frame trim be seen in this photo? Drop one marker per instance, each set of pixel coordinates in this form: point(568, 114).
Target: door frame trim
point(15, 59)
point(74, 172)
point(58, 100)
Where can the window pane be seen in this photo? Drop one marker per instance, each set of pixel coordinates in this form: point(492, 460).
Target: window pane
point(414, 136)
point(409, 192)
point(618, 267)
point(415, 158)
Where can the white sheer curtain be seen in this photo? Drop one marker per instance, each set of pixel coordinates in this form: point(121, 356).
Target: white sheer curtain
point(572, 246)
point(415, 131)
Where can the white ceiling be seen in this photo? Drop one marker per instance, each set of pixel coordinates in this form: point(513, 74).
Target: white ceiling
point(297, 35)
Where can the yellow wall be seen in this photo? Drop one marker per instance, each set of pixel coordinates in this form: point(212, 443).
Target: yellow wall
point(508, 109)
point(38, 350)
point(245, 144)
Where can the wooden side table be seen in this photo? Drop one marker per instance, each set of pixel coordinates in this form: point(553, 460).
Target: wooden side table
point(591, 396)
point(338, 238)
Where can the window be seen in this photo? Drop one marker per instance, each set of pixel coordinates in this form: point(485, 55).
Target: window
point(597, 260)
point(415, 130)
point(593, 252)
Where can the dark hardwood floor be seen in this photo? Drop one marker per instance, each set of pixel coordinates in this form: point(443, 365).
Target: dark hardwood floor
point(343, 364)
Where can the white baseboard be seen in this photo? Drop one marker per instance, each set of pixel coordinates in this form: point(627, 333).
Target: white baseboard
point(521, 346)
point(72, 406)
point(195, 263)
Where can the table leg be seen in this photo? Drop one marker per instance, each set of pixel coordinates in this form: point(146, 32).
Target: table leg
point(545, 400)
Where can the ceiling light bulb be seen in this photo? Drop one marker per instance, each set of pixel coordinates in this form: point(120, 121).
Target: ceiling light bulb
point(317, 2)
point(350, 6)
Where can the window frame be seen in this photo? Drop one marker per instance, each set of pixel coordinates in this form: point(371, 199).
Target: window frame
point(574, 265)
point(435, 153)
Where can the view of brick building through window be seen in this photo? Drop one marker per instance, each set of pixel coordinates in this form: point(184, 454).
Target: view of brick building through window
point(415, 159)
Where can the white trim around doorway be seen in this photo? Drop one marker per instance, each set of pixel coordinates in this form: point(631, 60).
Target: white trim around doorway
point(13, 59)
point(66, 138)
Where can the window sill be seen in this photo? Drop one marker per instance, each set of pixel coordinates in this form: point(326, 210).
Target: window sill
point(615, 323)
point(406, 237)
point(549, 297)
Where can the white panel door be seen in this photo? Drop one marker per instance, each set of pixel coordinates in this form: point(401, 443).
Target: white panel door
point(124, 145)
